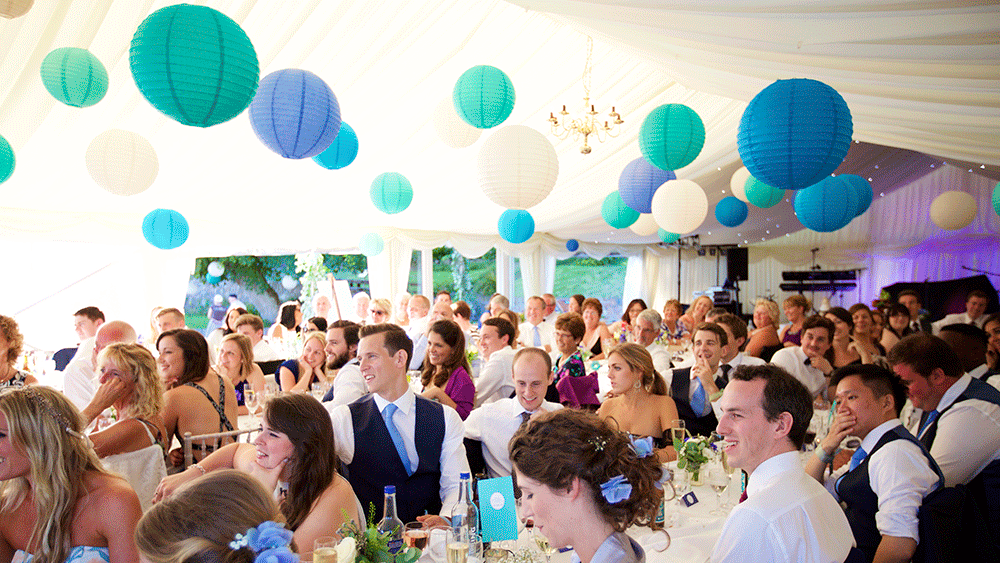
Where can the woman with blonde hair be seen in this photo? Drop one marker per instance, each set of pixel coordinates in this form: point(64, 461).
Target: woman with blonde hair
point(695, 314)
point(11, 343)
point(796, 308)
point(298, 374)
point(236, 364)
point(446, 376)
point(641, 404)
point(379, 311)
point(57, 502)
point(764, 341)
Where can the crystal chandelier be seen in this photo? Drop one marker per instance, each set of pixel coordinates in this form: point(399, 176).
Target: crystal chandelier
point(587, 123)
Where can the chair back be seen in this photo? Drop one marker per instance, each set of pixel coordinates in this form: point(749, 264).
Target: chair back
point(211, 442)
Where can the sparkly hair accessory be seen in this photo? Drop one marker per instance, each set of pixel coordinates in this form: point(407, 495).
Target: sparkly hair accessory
point(643, 447)
point(616, 489)
point(269, 540)
point(61, 419)
point(598, 443)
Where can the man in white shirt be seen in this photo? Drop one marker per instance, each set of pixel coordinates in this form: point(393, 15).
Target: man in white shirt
point(890, 473)
point(79, 381)
point(975, 309)
point(86, 321)
point(551, 310)
point(645, 332)
point(495, 379)
point(170, 318)
point(695, 389)
point(765, 415)
point(418, 309)
point(736, 331)
point(252, 327)
point(377, 436)
point(492, 426)
point(808, 362)
point(360, 300)
point(342, 360)
point(534, 331)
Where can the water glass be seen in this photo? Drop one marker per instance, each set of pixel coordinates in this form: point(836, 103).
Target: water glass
point(325, 550)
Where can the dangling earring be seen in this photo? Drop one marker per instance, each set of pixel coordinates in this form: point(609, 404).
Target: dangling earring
point(637, 384)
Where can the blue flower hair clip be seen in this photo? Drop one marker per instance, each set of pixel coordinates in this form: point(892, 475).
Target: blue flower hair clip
point(643, 447)
point(269, 540)
point(616, 489)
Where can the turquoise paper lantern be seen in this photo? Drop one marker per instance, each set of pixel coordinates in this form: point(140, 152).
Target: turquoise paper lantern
point(7, 160)
point(342, 151)
point(667, 237)
point(483, 96)
point(762, 195)
point(859, 191)
point(996, 191)
point(295, 113)
point(572, 245)
point(74, 76)
point(194, 64)
point(794, 133)
point(616, 213)
point(824, 207)
point(371, 244)
point(165, 228)
point(391, 192)
point(671, 136)
point(209, 278)
point(731, 212)
point(516, 225)
point(639, 181)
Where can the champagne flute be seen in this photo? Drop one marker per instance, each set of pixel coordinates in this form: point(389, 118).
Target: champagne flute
point(543, 544)
point(252, 400)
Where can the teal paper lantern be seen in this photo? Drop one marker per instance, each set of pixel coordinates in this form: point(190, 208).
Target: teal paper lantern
point(483, 96)
point(74, 76)
point(165, 228)
point(7, 160)
point(667, 237)
point(731, 212)
point(194, 64)
point(572, 245)
point(341, 152)
point(391, 192)
point(824, 207)
point(996, 190)
point(616, 213)
point(859, 191)
point(516, 225)
point(671, 136)
point(209, 278)
point(762, 195)
point(371, 244)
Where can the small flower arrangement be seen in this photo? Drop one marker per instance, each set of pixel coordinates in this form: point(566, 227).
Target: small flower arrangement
point(371, 545)
point(692, 454)
point(471, 355)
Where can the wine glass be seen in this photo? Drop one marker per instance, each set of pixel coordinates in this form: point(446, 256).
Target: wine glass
point(252, 400)
point(677, 431)
point(543, 544)
point(718, 479)
point(325, 550)
point(457, 546)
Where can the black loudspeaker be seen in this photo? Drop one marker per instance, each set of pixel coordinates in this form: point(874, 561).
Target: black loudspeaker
point(737, 264)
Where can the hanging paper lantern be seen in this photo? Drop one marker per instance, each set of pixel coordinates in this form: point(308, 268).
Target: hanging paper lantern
point(483, 96)
point(639, 181)
point(668, 237)
point(671, 136)
point(738, 184)
point(953, 210)
point(451, 129)
point(194, 64)
point(295, 113)
point(996, 191)
point(11, 9)
point(74, 76)
point(645, 225)
point(572, 245)
point(122, 162)
point(860, 192)
point(680, 206)
point(371, 244)
point(342, 151)
point(518, 167)
point(731, 212)
point(616, 213)
point(824, 207)
point(7, 160)
point(794, 133)
point(216, 269)
point(391, 192)
point(516, 225)
point(209, 278)
point(165, 228)
point(288, 282)
point(761, 194)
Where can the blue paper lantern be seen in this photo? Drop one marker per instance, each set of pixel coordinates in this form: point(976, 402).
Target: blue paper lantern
point(7, 160)
point(639, 181)
point(616, 213)
point(671, 136)
point(794, 132)
point(731, 212)
point(824, 207)
point(295, 113)
point(516, 225)
point(209, 278)
point(860, 193)
point(391, 192)
point(371, 244)
point(572, 245)
point(194, 64)
point(74, 76)
point(667, 237)
point(165, 228)
point(342, 151)
point(762, 195)
point(483, 96)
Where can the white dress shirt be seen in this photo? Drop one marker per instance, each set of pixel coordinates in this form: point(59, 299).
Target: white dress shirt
point(79, 383)
point(957, 318)
point(661, 358)
point(453, 460)
point(349, 384)
point(793, 360)
point(262, 352)
point(551, 317)
point(900, 477)
point(546, 332)
point(742, 359)
point(494, 425)
point(496, 378)
point(708, 406)
point(788, 516)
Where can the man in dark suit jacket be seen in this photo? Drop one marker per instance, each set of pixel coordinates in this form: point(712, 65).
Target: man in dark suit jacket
point(696, 388)
point(910, 299)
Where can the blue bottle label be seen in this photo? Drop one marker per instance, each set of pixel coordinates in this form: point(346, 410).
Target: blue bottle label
point(395, 546)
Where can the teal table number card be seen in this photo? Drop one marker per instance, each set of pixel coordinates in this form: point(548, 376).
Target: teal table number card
point(497, 511)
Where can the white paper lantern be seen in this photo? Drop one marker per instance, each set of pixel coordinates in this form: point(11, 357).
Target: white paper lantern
point(680, 206)
point(953, 210)
point(122, 162)
point(15, 8)
point(288, 282)
point(738, 183)
point(451, 129)
point(518, 167)
point(215, 268)
point(645, 226)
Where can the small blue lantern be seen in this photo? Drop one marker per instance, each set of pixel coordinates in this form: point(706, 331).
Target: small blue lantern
point(342, 151)
point(667, 237)
point(295, 113)
point(165, 228)
point(516, 225)
point(860, 192)
point(616, 213)
point(731, 212)
point(824, 207)
point(371, 244)
point(391, 192)
point(483, 96)
point(572, 245)
point(639, 181)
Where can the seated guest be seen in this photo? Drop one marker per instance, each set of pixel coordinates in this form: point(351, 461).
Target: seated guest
point(898, 327)
point(992, 328)
point(252, 327)
point(975, 308)
point(569, 365)
point(134, 445)
point(401, 318)
point(551, 312)
point(845, 350)
point(864, 332)
point(236, 364)
point(360, 300)
point(584, 485)
point(495, 379)
point(970, 344)
point(810, 362)
point(786, 515)
point(640, 405)
point(298, 374)
point(673, 327)
point(446, 376)
point(424, 466)
point(534, 330)
point(796, 308)
point(11, 343)
point(74, 512)
point(201, 521)
point(169, 318)
point(621, 330)
point(695, 388)
point(597, 334)
point(736, 335)
point(419, 309)
point(891, 472)
point(322, 306)
point(910, 299)
point(491, 426)
point(695, 314)
point(78, 378)
point(497, 303)
point(443, 296)
point(646, 333)
point(193, 402)
point(288, 323)
point(342, 364)
point(575, 303)
point(878, 322)
point(315, 324)
point(86, 322)
point(215, 337)
point(294, 456)
point(512, 318)
point(460, 313)
point(764, 341)
point(379, 311)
